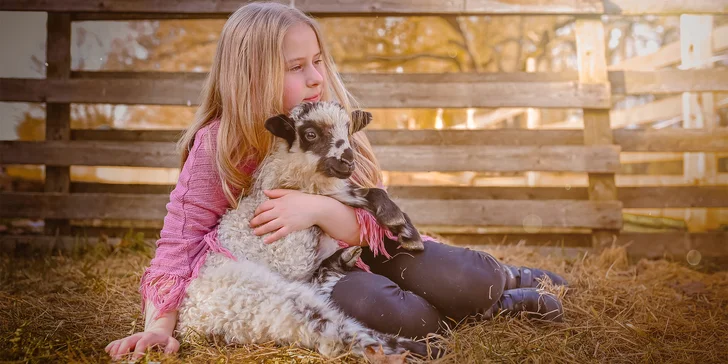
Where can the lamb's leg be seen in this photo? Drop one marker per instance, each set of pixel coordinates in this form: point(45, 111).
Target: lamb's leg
point(387, 213)
point(334, 333)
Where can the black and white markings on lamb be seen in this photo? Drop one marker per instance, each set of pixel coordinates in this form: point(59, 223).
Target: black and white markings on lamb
point(315, 137)
point(319, 132)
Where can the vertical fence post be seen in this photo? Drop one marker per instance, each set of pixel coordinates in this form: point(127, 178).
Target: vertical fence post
point(533, 121)
point(592, 57)
point(696, 50)
point(58, 116)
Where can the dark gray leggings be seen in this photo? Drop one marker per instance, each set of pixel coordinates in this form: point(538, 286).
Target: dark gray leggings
point(413, 292)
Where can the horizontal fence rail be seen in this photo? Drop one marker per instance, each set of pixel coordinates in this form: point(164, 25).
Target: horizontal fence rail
point(647, 245)
point(554, 213)
point(374, 91)
point(544, 90)
point(653, 245)
point(217, 8)
point(631, 197)
point(599, 159)
point(655, 140)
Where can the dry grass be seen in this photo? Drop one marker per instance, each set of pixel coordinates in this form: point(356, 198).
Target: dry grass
point(67, 308)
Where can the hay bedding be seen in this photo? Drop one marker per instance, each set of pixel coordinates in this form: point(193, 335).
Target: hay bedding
point(67, 308)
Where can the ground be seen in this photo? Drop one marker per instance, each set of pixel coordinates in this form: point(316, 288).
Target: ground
point(66, 308)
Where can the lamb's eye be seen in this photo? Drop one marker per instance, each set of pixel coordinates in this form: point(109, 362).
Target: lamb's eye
point(311, 136)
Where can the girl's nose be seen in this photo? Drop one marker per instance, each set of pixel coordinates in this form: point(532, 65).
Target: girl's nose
point(313, 78)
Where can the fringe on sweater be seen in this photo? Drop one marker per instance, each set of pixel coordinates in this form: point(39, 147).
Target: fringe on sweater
point(167, 290)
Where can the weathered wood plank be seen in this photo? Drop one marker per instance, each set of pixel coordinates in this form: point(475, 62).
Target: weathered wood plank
point(90, 153)
point(674, 197)
point(639, 245)
point(663, 109)
point(514, 89)
point(668, 81)
point(591, 52)
point(93, 187)
point(144, 189)
point(42, 245)
point(83, 206)
point(573, 240)
point(677, 244)
point(553, 213)
point(698, 112)
point(58, 115)
point(672, 140)
point(498, 158)
point(126, 135)
point(631, 197)
point(669, 54)
point(381, 7)
point(662, 140)
point(379, 91)
point(547, 90)
point(114, 91)
point(639, 158)
point(400, 158)
point(445, 194)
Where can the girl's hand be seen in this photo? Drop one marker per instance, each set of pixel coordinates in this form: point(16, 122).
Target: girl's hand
point(286, 211)
point(139, 342)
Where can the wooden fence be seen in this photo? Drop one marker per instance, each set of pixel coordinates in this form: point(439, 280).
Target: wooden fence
point(589, 216)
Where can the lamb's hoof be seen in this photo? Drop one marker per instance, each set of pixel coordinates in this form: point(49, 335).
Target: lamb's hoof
point(377, 356)
point(351, 255)
point(413, 243)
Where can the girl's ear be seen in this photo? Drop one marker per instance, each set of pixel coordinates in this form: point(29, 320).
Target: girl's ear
point(360, 119)
point(282, 127)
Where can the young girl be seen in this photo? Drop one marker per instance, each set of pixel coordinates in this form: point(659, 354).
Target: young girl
point(271, 57)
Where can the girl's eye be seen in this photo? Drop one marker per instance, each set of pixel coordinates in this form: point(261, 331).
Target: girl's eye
point(319, 61)
point(310, 136)
point(295, 68)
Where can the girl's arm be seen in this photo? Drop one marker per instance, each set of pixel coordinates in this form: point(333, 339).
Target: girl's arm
point(196, 204)
point(157, 331)
point(339, 221)
point(163, 324)
point(289, 210)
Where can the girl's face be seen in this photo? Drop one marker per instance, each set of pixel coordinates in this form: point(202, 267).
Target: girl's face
point(305, 76)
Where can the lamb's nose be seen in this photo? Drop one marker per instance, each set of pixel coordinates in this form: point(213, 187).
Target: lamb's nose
point(348, 157)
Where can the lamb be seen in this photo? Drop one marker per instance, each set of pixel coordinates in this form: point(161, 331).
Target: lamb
point(313, 155)
point(280, 292)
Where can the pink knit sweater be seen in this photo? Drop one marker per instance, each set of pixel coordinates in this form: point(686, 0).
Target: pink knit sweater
point(190, 227)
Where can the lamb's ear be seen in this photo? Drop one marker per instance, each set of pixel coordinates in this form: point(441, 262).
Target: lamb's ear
point(282, 126)
point(360, 119)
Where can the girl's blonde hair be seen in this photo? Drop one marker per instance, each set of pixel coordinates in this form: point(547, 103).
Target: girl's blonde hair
point(245, 87)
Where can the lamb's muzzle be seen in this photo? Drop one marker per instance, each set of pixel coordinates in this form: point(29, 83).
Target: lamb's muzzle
point(339, 167)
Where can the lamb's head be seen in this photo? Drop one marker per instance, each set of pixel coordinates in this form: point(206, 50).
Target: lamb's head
point(321, 132)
